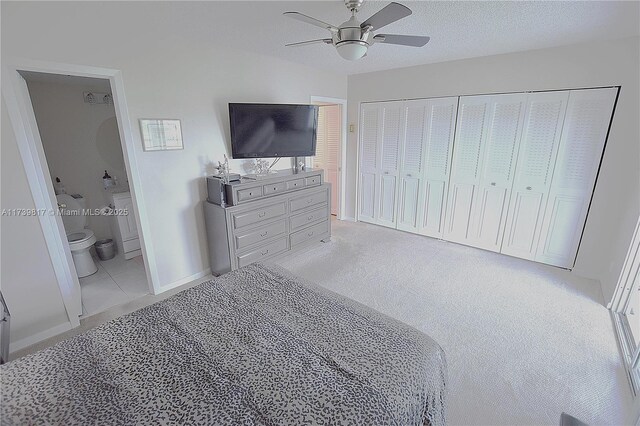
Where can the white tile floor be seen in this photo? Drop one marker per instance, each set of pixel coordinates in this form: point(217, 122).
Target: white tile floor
point(117, 281)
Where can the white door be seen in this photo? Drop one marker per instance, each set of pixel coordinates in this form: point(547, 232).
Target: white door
point(471, 134)
point(413, 133)
point(440, 123)
point(370, 134)
point(499, 155)
point(328, 148)
point(534, 169)
point(389, 151)
point(583, 136)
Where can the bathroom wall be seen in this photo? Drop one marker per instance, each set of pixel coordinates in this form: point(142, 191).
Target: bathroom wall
point(80, 141)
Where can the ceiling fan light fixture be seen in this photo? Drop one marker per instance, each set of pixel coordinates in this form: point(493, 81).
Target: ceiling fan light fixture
point(352, 50)
point(353, 38)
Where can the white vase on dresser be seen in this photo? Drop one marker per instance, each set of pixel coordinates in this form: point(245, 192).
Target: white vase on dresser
point(123, 222)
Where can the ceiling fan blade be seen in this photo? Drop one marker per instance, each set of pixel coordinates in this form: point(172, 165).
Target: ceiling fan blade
point(309, 20)
point(388, 14)
point(404, 40)
point(304, 43)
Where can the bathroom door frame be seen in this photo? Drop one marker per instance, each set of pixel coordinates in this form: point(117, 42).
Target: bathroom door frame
point(16, 95)
point(342, 156)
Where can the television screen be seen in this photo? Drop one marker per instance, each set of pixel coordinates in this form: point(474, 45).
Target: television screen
point(273, 130)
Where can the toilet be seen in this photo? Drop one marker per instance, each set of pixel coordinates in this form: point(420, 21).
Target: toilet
point(80, 238)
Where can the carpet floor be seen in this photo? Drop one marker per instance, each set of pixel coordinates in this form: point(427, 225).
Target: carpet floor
point(524, 341)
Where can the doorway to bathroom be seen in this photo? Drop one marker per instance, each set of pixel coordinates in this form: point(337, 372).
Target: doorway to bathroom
point(330, 147)
point(79, 131)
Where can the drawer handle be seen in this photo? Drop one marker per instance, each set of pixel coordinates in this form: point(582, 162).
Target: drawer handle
point(408, 174)
point(262, 214)
point(275, 188)
point(493, 184)
point(310, 217)
point(264, 253)
point(265, 234)
point(528, 188)
point(310, 200)
point(251, 193)
point(310, 234)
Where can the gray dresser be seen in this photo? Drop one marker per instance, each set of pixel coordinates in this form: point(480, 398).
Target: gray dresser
point(268, 218)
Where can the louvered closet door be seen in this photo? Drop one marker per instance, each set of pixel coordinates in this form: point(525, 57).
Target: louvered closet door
point(471, 134)
point(583, 137)
point(499, 155)
point(534, 169)
point(440, 122)
point(410, 179)
point(389, 152)
point(370, 141)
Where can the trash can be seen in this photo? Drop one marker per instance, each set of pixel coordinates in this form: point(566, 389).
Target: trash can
point(106, 249)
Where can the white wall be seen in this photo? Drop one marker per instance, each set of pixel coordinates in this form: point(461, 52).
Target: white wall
point(80, 141)
point(27, 279)
point(616, 202)
point(164, 77)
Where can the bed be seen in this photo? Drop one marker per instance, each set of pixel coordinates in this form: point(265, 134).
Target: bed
point(255, 346)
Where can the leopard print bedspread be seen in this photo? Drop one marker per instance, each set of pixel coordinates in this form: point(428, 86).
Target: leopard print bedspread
point(257, 346)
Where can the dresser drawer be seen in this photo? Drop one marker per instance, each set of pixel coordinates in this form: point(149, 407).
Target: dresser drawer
point(249, 193)
point(295, 184)
point(304, 219)
point(312, 181)
point(309, 200)
point(247, 238)
point(258, 215)
point(274, 188)
point(263, 252)
point(311, 233)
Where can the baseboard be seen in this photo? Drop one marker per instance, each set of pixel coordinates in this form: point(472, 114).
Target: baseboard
point(581, 273)
point(184, 280)
point(18, 345)
point(349, 219)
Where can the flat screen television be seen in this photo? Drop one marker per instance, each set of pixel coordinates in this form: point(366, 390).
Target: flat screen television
point(273, 130)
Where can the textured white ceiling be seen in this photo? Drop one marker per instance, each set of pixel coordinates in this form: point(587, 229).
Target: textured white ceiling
point(457, 29)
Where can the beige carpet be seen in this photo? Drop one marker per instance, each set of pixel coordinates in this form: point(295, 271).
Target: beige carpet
point(524, 341)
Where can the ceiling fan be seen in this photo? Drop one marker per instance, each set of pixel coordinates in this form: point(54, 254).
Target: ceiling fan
point(352, 38)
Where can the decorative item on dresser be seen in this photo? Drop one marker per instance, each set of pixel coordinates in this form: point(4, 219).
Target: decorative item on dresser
point(267, 217)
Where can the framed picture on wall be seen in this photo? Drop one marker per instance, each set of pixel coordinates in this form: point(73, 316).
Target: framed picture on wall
point(161, 134)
